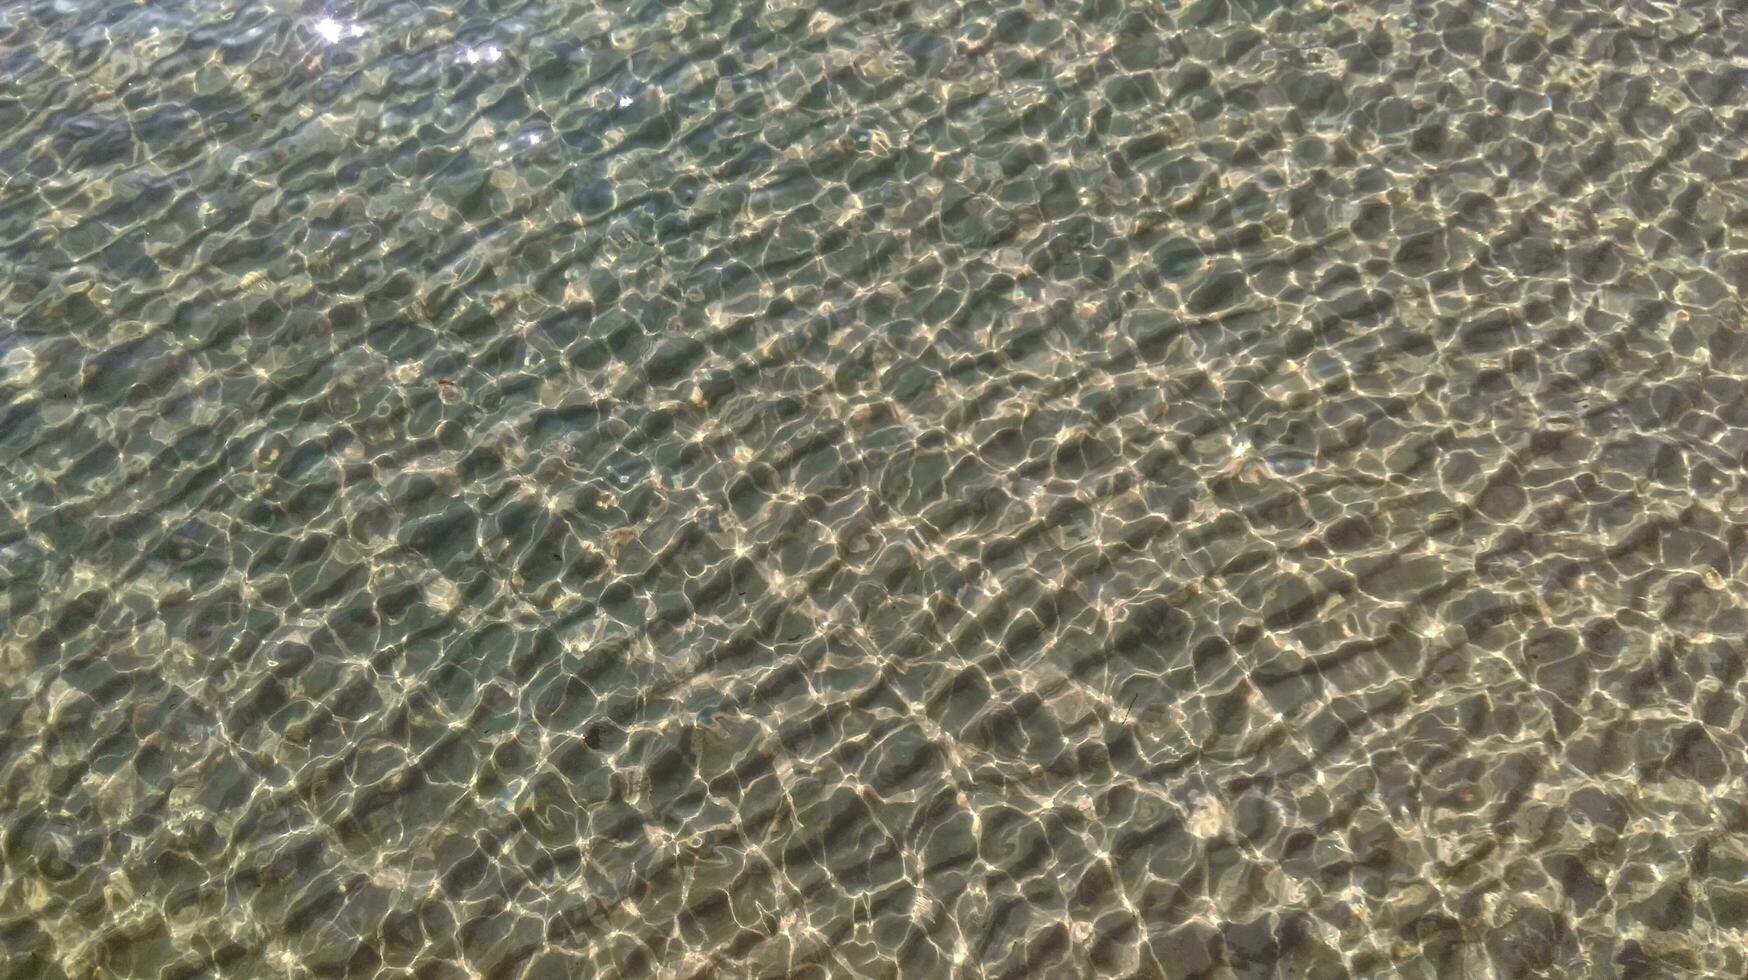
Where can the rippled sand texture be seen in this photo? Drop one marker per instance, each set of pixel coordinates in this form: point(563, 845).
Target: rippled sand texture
point(913, 489)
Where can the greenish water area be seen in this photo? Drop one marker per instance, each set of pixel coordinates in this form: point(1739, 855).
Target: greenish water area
point(921, 489)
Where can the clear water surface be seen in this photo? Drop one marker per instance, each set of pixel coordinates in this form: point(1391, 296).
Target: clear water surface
point(880, 489)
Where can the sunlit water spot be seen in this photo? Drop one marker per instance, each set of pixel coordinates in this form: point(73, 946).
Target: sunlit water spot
point(334, 30)
point(485, 54)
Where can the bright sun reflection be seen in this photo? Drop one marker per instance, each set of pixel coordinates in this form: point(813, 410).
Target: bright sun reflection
point(332, 30)
point(483, 55)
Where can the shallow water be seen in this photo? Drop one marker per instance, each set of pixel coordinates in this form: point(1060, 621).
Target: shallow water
point(885, 489)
